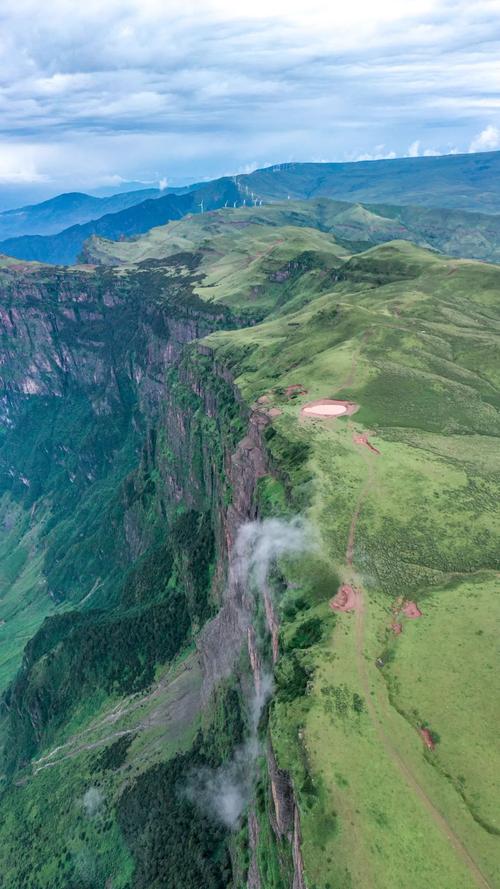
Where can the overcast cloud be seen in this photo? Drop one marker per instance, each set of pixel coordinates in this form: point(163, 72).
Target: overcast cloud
point(101, 92)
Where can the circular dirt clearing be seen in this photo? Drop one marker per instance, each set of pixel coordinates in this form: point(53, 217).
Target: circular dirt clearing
point(327, 408)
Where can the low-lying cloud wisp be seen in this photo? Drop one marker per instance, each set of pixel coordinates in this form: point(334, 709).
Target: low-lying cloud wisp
point(225, 792)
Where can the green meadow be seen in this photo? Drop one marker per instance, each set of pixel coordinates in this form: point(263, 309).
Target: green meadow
point(413, 339)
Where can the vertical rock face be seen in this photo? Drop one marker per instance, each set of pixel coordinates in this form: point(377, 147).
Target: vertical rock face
point(206, 482)
point(222, 639)
point(253, 879)
point(282, 794)
point(68, 340)
point(298, 864)
point(286, 821)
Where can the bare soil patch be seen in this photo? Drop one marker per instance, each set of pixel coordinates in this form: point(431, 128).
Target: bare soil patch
point(329, 408)
point(295, 389)
point(411, 609)
point(362, 439)
point(348, 598)
point(427, 738)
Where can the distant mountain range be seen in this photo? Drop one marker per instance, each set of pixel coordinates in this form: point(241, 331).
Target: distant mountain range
point(468, 182)
point(65, 210)
point(460, 181)
point(354, 227)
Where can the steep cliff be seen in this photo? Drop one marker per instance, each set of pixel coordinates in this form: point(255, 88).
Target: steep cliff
point(142, 462)
point(201, 706)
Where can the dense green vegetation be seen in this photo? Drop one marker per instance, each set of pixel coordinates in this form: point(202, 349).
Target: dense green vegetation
point(121, 493)
point(413, 339)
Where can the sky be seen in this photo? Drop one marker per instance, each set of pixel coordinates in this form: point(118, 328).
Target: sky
point(107, 92)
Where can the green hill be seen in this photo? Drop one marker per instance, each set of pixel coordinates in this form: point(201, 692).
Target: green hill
point(457, 182)
point(354, 226)
point(153, 405)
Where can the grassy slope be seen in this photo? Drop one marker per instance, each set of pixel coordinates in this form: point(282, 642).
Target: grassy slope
point(71, 843)
point(24, 600)
point(414, 339)
point(356, 226)
point(463, 182)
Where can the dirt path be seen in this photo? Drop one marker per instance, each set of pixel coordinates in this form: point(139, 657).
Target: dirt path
point(351, 374)
point(379, 724)
point(399, 761)
point(265, 252)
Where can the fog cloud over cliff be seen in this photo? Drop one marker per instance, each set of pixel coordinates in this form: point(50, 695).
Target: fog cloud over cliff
point(224, 793)
point(259, 544)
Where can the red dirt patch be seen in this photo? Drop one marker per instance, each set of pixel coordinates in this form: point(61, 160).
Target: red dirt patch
point(347, 599)
point(362, 439)
point(295, 389)
point(410, 609)
point(329, 409)
point(427, 738)
point(396, 628)
point(274, 412)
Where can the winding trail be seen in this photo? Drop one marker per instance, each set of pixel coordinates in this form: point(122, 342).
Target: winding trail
point(378, 723)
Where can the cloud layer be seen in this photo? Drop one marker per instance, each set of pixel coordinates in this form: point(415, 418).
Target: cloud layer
point(145, 89)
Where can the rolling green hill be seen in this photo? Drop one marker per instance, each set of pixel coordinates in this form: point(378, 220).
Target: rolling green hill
point(152, 408)
point(459, 182)
point(414, 340)
point(354, 226)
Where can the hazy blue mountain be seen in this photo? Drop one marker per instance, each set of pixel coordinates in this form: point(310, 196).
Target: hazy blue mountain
point(65, 210)
point(461, 181)
point(65, 247)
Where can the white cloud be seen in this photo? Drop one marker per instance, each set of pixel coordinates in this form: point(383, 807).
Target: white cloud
point(379, 153)
point(487, 140)
point(194, 90)
point(18, 164)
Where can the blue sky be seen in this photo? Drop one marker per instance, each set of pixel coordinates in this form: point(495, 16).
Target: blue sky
point(149, 91)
